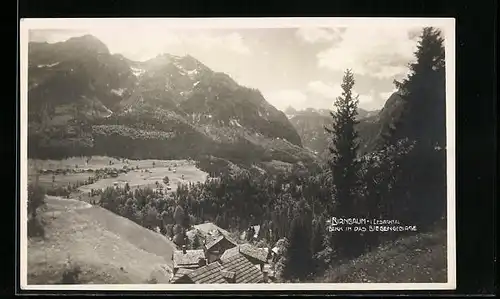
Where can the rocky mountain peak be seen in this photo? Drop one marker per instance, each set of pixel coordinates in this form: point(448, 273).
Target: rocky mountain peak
point(87, 42)
point(174, 104)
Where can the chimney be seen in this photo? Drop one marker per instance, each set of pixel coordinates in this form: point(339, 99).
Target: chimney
point(184, 249)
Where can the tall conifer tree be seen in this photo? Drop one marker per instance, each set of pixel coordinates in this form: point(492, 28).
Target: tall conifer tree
point(420, 191)
point(343, 163)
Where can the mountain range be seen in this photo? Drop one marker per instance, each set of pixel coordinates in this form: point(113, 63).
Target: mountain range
point(310, 124)
point(83, 100)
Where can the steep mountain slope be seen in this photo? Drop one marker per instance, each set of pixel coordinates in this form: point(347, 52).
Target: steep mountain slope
point(84, 100)
point(372, 129)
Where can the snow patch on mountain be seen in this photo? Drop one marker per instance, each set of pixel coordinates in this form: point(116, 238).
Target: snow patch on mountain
point(137, 71)
point(48, 65)
point(235, 123)
point(109, 113)
point(192, 73)
point(118, 91)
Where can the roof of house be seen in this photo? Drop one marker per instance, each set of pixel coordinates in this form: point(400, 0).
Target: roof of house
point(211, 241)
point(211, 274)
point(179, 274)
point(245, 271)
point(255, 252)
point(230, 275)
point(190, 259)
point(230, 252)
point(246, 249)
point(209, 227)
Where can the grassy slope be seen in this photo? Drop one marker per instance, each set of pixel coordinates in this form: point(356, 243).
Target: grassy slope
point(98, 241)
point(416, 259)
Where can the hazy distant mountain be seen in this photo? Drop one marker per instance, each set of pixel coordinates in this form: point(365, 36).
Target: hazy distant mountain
point(166, 107)
point(372, 131)
point(362, 113)
point(310, 124)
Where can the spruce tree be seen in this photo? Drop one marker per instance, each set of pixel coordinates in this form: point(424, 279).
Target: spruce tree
point(423, 92)
point(196, 242)
point(344, 165)
point(318, 235)
point(36, 198)
point(420, 193)
point(298, 260)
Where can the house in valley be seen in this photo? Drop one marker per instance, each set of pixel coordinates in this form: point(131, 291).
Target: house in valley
point(208, 274)
point(238, 269)
point(257, 256)
point(215, 245)
point(209, 228)
point(221, 259)
point(188, 259)
point(180, 276)
point(234, 269)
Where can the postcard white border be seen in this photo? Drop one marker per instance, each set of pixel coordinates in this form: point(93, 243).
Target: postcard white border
point(446, 24)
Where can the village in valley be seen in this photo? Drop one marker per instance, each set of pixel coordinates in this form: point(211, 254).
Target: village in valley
point(223, 259)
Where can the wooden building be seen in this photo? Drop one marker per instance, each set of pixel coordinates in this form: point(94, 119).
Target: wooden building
point(188, 259)
point(257, 256)
point(215, 246)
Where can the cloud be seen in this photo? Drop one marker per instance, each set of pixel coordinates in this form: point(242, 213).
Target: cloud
point(318, 35)
point(143, 42)
point(385, 95)
point(380, 51)
point(322, 95)
point(233, 42)
point(178, 43)
point(52, 35)
point(365, 100)
point(323, 89)
point(281, 99)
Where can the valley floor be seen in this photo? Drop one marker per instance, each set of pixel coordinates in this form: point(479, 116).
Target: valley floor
point(148, 173)
point(108, 248)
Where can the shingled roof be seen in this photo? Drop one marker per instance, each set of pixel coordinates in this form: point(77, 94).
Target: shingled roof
point(259, 254)
point(208, 228)
point(228, 275)
point(230, 253)
point(180, 274)
point(245, 271)
point(211, 241)
point(190, 259)
point(211, 273)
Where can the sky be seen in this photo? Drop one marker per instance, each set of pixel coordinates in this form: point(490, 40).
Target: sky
point(300, 67)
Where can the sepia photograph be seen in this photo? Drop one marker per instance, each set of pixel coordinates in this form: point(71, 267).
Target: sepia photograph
point(237, 154)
